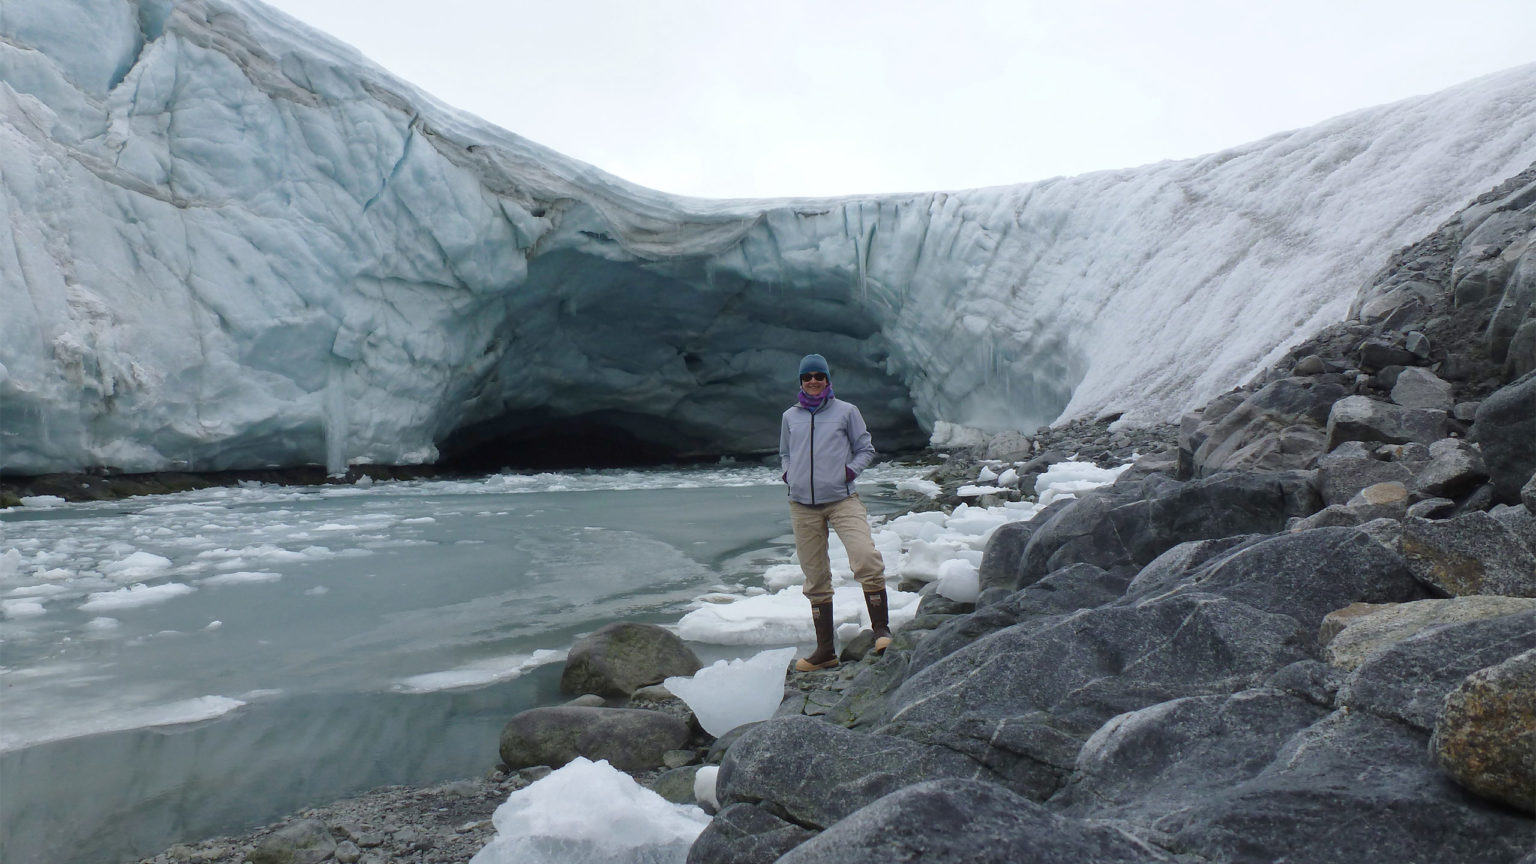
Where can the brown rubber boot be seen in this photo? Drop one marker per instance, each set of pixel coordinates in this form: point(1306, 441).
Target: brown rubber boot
point(825, 655)
point(879, 619)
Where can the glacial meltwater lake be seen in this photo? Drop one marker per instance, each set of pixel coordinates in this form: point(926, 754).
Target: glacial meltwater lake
point(182, 666)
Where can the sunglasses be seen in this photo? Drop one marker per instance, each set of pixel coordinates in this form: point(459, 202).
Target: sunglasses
point(813, 376)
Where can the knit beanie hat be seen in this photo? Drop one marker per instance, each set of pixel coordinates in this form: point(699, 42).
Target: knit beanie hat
point(814, 363)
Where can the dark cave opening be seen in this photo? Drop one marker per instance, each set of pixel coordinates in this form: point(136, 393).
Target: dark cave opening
point(566, 443)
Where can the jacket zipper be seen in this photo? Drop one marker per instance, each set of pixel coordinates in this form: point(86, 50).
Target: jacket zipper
point(813, 458)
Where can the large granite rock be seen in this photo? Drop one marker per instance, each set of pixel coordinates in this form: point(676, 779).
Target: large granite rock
point(1134, 523)
point(1417, 387)
point(1485, 736)
point(746, 834)
point(1455, 469)
point(1362, 629)
point(621, 657)
point(812, 773)
point(968, 822)
point(1360, 418)
point(1505, 429)
point(1407, 681)
point(1304, 575)
point(1342, 473)
point(1021, 701)
point(1471, 554)
point(631, 739)
point(1278, 428)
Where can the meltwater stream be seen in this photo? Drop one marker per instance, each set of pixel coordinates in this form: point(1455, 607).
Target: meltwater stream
point(182, 666)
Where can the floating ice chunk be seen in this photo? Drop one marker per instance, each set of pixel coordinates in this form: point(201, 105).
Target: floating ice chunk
point(136, 566)
point(1069, 478)
point(973, 491)
point(10, 563)
point(704, 786)
point(920, 486)
point(214, 625)
point(731, 693)
point(588, 811)
point(243, 577)
point(42, 501)
point(781, 576)
point(103, 623)
point(480, 673)
point(958, 580)
point(25, 608)
point(923, 558)
point(134, 596)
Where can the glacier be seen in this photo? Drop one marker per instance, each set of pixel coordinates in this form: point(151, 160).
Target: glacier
point(229, 241)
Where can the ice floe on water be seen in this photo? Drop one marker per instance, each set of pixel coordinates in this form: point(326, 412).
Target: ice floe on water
point(481, 672)
point(590, 811)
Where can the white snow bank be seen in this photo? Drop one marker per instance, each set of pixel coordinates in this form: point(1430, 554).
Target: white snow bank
point(731, 693)
point(588, 812)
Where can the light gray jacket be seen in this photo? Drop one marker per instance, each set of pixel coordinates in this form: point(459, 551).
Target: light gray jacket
point(816, 448)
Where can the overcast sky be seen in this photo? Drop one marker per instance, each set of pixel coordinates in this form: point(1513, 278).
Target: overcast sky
point(725, 98)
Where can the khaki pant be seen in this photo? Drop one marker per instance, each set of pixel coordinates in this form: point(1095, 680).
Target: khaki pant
point(851, 522)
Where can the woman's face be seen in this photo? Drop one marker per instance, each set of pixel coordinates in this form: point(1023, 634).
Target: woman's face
point(813, 383)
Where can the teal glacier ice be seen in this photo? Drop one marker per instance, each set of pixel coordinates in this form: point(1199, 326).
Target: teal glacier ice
point(228, 241)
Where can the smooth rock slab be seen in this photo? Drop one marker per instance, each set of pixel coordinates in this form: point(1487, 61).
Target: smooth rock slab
point(968, 822)
point(1418, 387)
point(1360, 418)
point(1407, 681)
point(1372, 628)
point(746, 834)
point(621, 657)
point(1485, 736)
point(1471, 554)
point(1350, 788)
point(813, 773)
point(1505, 429)
point(631, 739)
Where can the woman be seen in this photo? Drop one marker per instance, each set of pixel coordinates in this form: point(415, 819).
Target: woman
point(825, 445)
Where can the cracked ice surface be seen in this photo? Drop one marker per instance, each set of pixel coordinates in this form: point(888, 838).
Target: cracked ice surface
point(228, 241)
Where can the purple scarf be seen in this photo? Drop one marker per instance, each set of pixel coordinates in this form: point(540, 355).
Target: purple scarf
point(813, 404)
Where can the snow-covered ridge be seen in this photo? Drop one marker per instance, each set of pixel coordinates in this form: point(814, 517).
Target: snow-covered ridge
point(229, 241)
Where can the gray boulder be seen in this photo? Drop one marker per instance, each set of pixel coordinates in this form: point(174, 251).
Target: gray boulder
point(1009, 447)
point(306, 841)
point(1135, 523)
point(1304, 575)
point(1363, 629)
point(1380, 501)
point(1407, 681)
point(998, 572)
point(1180, 754)
point(1432, 508)
point(746, 834)
point(631, 739)
point(1021, 701)
point(1484, 735)
point(1471, 554)
point(1351, 787)
point(968, 822)
point(1377, 354)
point(1360, 418)
point(1278, 428)
point(1528, 495)
point(621, 657)
point(1455, 469)
point(1344, 472)
point(813, 773)
point(1418, 387)
point(676, 785)
point(1505, 429)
